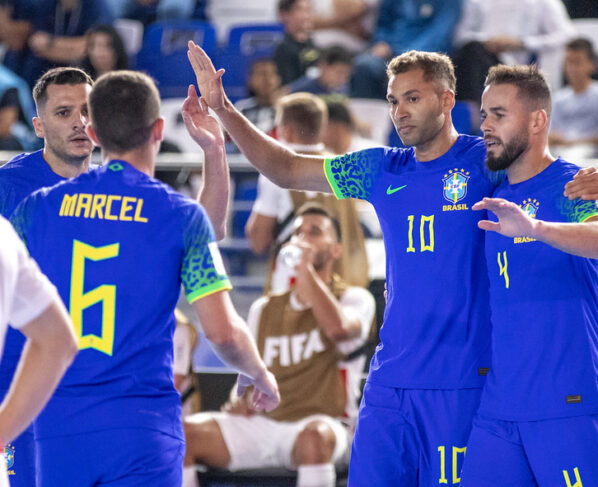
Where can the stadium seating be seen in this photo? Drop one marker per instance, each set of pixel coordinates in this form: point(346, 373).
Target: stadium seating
point(163, 54)
point(245, 44)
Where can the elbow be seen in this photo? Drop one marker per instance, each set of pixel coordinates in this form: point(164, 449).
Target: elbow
point(220, 231)
point(222, 336)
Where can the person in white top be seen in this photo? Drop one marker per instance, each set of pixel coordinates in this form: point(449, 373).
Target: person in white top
point(30, 303)
point(574, 120)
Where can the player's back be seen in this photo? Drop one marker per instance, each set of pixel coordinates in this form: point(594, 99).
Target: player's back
point(113, 241)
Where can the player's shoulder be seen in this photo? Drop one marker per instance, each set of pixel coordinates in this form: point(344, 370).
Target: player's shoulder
point(471, 149)
point(19, 164)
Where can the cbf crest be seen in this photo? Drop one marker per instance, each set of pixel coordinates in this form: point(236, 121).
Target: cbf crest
point(455, 185)
point(9, 456)
point(530, 206)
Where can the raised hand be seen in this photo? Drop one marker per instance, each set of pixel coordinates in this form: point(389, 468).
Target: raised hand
point(584, 185)
point(512, 220)
point(209, 81)
point(265, 394)
point(202, 127)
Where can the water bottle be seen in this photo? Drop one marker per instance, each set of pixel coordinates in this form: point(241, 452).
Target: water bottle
point(291, 255)
point(284, 275)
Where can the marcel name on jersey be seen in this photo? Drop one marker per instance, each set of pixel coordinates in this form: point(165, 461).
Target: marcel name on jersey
point(103, 207)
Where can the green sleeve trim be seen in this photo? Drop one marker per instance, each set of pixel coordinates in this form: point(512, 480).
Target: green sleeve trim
point(587, 217)
point(215, 287)
point(330, 177)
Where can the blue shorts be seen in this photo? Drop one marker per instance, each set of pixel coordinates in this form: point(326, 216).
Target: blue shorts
point(124, 457)
point(411, 437)
point(554, 452)
point(20, 459)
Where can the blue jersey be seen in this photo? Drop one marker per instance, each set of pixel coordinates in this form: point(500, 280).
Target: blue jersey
point(20, 177)
point(436, 331)
point(544, 311)
point(118, 244)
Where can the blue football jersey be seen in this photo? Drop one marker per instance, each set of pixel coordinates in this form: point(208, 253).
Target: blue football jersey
point(436, 330)
point(544, 311)
point(20, 177)
point(118, 244)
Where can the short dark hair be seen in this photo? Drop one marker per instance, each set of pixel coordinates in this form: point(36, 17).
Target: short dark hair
point(312, 208)
point(584, 45)
point(58, 76)
point(533, 88)
point(123, 107)
point(335, 54)
point(437, 67)
point(286, 5)
point(338, 111)
point(306, 112)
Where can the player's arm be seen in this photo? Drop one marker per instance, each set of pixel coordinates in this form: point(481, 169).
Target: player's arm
point(205, 130)
point(259, 230)
point(282, 166)
point(50, 348)
point(231, 341)
point(333, 319)
point(574, 238)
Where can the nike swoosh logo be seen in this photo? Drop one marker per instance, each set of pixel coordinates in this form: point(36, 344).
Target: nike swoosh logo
point(390, 190)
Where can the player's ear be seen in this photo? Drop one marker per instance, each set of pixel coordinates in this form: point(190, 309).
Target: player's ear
point(158, 129)
point(539, 121)
point(448, 100)
point(92, 134)
point(38, 127)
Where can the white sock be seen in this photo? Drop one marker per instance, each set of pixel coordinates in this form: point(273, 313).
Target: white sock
point(319, 475)
point(190, 477)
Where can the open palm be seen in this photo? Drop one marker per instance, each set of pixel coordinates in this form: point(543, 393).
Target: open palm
point(209, 81)
point(202, 127)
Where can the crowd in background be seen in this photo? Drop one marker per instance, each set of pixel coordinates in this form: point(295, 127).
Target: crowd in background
point(332, 47)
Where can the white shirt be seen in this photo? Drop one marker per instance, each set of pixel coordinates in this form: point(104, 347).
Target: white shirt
point(575, 115)
point(540, 24)
point(24, 291)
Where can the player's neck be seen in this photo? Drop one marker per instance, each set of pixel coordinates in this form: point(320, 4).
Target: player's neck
point(66, 169)
point(530, 164)
point(438, 146)
point(142, 158)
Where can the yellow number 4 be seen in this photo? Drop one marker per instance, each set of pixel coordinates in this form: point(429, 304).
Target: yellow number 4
point(105, 294)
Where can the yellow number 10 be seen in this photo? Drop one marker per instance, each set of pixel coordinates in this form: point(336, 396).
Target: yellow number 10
point(422, 237)
point(105, 294)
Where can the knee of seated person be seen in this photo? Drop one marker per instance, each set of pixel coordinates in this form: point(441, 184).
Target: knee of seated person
point(202, 436)
point(314, 444)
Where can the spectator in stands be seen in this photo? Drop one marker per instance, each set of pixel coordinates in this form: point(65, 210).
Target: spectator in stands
point(575, 107)
point(105, 51)
point(340, 135)
point(296, 52)
point(148, 11)
point(402, 26)
point(264, 85)
point(303, 336)
point(59, 32)
point(300, 123)
point(345, 22)
point(504, 31)
point(15, 29)
point(16, 113)
point(334, 66)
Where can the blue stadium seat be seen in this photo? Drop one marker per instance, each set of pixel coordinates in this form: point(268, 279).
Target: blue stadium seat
point(245, 44)
point(163, 54)
point(245, 194)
